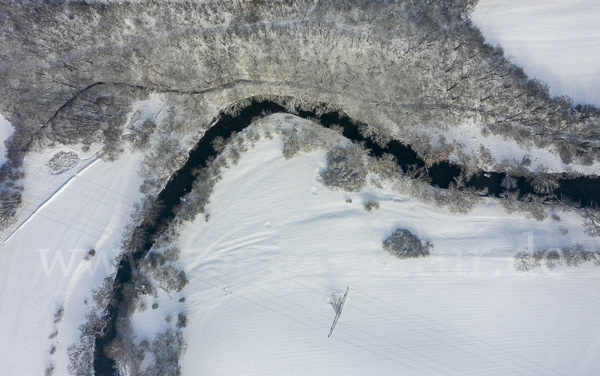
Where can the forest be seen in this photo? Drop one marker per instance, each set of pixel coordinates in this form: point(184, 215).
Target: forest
point(71, 70)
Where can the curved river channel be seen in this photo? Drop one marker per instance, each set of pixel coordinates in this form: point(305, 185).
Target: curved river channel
point(585, 190)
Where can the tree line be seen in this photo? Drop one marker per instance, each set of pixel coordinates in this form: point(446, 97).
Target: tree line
point(71, 70)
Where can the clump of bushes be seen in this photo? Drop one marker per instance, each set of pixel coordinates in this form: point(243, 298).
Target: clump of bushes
point(160, 266)
point(62, 161)
point(404, 244)
point(346, 168)
point(370, 205)
point(305, 137)
point(543, 182)
point(591, 221)
point(91, 253)
point(165, 350)
point(59, 315)
point(574, 255)
point(81, 353)
point(140, 135)
point(181, 320)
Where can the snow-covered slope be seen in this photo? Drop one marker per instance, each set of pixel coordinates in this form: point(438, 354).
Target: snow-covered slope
point(278, 243)
point(554, 40)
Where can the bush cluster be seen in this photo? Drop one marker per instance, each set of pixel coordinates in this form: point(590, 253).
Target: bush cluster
point(404, 244)
point(346, 168)
point(573, 256)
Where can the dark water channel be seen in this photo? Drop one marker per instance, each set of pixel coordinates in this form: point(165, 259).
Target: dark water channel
point(585, 190)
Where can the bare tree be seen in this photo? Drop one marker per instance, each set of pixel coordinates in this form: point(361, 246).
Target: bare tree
point(524, 262)
point(591, 221)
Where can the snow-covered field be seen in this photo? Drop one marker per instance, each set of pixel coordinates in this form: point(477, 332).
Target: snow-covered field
point(278, 243)
point(42, 257)
point(555, 41)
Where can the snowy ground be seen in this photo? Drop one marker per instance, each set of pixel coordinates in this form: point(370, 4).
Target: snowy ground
point(278, 243)
point(41, 257)
point(62, 217)
point(556, 41)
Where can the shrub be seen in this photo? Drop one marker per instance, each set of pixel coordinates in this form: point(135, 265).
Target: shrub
point(218, 144)
point(307, 137)
point(591, 221)
point(346, 168)
point(91, 253)
point(552, 259)
point(62, 161)
point(170, 278)
point(167, 347)
point(544, 183)
point(81, 356)
point(140, 136)
point(166, 275)
point(524, 262)
point(370, 205)
point(509, 182)
point(403, 244)
point(59, 315)
point(572, 256)
point(575, 255)
point(181, 320)
point(10, 201)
